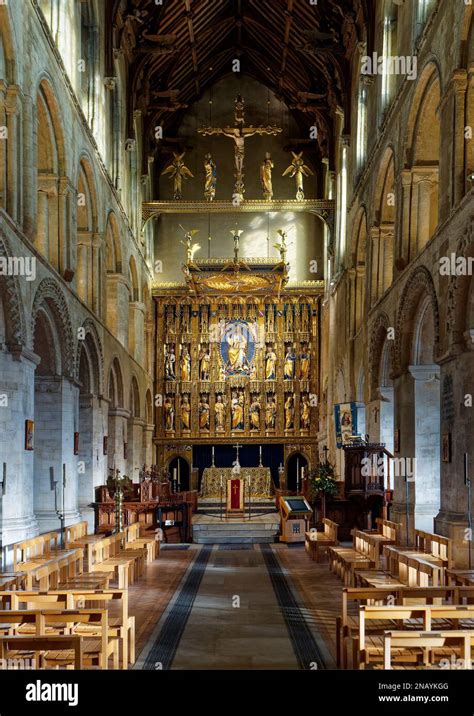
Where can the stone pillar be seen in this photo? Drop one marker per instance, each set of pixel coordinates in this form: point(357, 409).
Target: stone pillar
point(424, 213)
point(135, 456)
point(380, 418)
point(56, 401)
point(13, 148)
point(42, 225)
point(406, 179)
point(92, 468)
point(414, 216)
point(136, 332)
point(469, 144)
point(63, 227)
point(30, 172)
point(459, 88)
point(117, 435)
point(18, 521)
point(148, 444)
point(374, 265)
point(427, 438)
point(4, 142)
point(117, 306)
point(404, 408)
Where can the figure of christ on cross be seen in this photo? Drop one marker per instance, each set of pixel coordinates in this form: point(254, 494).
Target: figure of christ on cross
point(239, 135)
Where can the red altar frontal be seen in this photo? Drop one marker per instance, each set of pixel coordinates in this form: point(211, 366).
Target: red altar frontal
point(235, 496)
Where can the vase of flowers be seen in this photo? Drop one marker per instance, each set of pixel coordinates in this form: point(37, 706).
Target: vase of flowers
point(322, 484)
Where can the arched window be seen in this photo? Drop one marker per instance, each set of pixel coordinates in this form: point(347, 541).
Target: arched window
point(361, 141)
point(88, 63)
point(389, 49)
point(423, 10)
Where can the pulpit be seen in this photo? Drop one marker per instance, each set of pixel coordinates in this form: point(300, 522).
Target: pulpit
point(235, 497)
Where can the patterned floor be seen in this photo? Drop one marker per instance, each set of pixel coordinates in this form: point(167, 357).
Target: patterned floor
point(235, 608)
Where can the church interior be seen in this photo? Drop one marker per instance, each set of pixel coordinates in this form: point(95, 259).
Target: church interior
point(236, 315)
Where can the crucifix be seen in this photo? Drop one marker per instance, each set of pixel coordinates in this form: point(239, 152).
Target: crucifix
point(237, 447)
point(239, 134)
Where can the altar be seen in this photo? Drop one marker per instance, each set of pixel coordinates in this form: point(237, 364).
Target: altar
point(260, 481)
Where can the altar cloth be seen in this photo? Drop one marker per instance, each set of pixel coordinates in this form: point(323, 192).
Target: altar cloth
point(260, 481)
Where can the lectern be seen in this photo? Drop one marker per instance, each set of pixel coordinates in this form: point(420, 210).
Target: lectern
point(295, 513)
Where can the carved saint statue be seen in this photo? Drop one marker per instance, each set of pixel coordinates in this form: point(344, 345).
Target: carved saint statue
point(237, 411)
point(170, 363)
point(204, 413)
point(289, 366)
point(266, 177)
point(178, 171)
point(237, 350)
point(185, 319)
point(219, 410)
point(255, 413)
point(271, 319)
point(305, 417)
point(289, 413)
point(185, 412)
point(270, 364)
point(169, 414)
point(305, 363)
point(289, 325)
point(304, 319)
point(185, 364)
point(298, 169)
point(204, 363)
point(210, 171)
point(204, 322)
point(271, 413)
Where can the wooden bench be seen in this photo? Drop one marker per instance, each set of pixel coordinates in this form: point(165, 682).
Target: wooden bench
point(74, 532)
point(98, 644)
point(134, 540)
point(13, 646)
point(368, 648)
point(347, 625)
point(317, 542)
point(107, 555)
point(429, 549)
point(425, 647)
point(365, 553)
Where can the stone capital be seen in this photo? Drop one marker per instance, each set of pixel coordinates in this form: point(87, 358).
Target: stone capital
point(424, 373)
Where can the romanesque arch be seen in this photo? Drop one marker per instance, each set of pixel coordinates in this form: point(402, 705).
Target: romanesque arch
point(50, 297)
point(10, 296)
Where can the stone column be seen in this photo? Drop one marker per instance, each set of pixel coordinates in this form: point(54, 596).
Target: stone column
point(375, 265)
point(424, 212)
point(56, 401)
point(30, 172)
point(414, 216)
point(135, 457)
point(404, 408)
point(469, 145)
point(427, 451)
point(404, 250)
point(92, 468)
point(13, 147)
point(82, 281)
point(459, 88)
point(42, 232)
point(148, 444)
point(135, 327)
point(4, 142)
point(380, 417)
point(18, 521)
point(117, 435)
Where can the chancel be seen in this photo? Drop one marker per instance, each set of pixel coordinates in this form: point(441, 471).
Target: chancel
point(236, 334)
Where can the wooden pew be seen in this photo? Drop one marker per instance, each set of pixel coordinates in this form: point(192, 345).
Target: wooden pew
point(99, 645)
point(422, 646)
point(74, 532)
point(135, 541)
point(368, 648)
point(365, 553)
point(317, 542)
point(106, 555)
point(429, 549)
point(121, 627)
point(12, 646)
point(347, 625)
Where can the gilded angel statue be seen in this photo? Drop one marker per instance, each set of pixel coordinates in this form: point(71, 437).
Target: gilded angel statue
point(178, 171)
point(298, 169)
